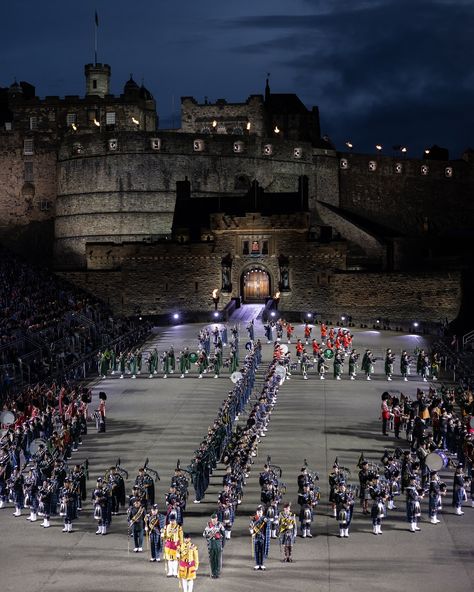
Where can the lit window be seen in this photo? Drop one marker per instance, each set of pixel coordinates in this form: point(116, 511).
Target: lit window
point(113, 144)
point(425, 169)
point(70, 118)
point(372, 165)
point(110, 118)
point(28, 146)
point(8, 126)
point(155, 143)
point(448, 172)
point(33, 123)
point(344, 163)
point(267, 149)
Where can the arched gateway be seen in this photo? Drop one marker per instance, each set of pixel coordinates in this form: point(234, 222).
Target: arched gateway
point(255, 284)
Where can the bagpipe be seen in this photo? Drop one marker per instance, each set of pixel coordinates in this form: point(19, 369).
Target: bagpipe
point(345, 472)
point(154, 474)
point(120, 470)
point(314, 475)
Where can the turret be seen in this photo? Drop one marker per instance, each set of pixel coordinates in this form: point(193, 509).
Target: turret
point(97, 79)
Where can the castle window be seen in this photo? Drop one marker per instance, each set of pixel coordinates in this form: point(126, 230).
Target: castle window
point(267, 149)
point(206, 130)
point(196, 285)
point(372, 165)
point(238, 131)
point(398, 168)
point(425, 169)
point(33, 123)
point(28, 170)
point(28, 146)
point(448, 172)
point(344, 163)
point(45, 206)
point(221, 129)
point(255, 247)
point(110, 118)
point(113, 144)
point(155, 143)
point(298, 152)
point(70, 119)
point(245, 248)
point(94, 83)
point(265, 248)
point(8, 126)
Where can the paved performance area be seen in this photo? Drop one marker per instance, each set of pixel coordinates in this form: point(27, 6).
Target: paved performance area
point(165, 420)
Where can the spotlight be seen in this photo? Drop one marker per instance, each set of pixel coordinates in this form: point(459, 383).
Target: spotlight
point(378, 147)
point(378, 321)
point(404, 149)
point(415, 324)
point(309, 315)
point(350, 145)
point(272, 314)
point(216, 314)
point(343, 318)
point(176, 316)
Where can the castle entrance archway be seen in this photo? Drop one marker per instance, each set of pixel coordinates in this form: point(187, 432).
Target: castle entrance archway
point(255, 284)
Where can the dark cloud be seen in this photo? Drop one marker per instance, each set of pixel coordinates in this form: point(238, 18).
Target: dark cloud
point(388, 71)
point(380, 62)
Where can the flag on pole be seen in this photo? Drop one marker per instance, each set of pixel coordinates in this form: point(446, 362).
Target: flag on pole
point(96, 19)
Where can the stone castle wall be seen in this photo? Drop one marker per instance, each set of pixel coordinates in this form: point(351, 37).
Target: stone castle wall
point(409, 202)
point(402, 298)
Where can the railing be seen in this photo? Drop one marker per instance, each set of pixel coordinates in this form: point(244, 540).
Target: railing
point(467, 338)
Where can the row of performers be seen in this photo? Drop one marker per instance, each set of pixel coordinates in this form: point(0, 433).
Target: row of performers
point(337, 337)
point(377, 493)
point(238, 455)
point(132, 363)
point(319, 361)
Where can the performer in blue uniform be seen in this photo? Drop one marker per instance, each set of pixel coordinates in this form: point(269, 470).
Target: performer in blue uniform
point(260, 533)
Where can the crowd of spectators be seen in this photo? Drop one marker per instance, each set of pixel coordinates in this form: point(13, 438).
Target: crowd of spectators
point(50, 328)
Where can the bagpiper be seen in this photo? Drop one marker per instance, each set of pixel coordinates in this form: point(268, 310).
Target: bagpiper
point(389, 360)
point(353, 357)
point(102, 502)
point(344, 500)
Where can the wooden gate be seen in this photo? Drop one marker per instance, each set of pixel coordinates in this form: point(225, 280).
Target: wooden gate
point(256, 286)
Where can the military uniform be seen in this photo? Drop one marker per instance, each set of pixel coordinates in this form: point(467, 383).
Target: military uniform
point(287, 530)
point(260, 533)
point(188, 564)
point(214, 534)
point(172, 537)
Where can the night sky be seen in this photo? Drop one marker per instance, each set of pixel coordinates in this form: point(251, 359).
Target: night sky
point(381, 71)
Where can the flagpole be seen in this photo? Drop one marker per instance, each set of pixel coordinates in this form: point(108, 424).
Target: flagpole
point(95, 37)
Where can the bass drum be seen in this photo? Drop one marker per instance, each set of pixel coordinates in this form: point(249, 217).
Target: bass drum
point(437, 460)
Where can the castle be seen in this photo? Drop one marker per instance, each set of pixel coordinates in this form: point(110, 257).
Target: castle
point(246, 199)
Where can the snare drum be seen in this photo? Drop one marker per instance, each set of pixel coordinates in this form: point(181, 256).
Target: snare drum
point(437, 460)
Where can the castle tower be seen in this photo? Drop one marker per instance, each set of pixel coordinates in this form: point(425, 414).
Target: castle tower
point(97, 79)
